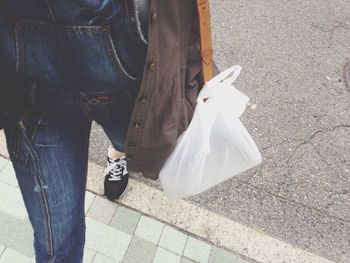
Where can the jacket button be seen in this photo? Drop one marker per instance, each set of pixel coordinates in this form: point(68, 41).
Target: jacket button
point(137, 125)
point(132, 145)
point(152, 65)
point(129, 157)
point(143, 99)
point(155, 17)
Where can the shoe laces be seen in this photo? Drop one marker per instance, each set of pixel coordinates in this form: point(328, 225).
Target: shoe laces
point(116, 169)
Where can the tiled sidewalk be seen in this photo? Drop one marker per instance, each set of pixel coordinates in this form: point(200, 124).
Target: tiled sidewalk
point(115, 233)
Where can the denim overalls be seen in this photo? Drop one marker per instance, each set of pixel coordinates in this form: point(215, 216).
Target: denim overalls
point(87, 56)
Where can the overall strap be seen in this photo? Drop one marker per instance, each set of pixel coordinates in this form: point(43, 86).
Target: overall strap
point(205, 36)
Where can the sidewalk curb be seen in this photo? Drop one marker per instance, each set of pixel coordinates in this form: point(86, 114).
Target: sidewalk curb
point(220, 231)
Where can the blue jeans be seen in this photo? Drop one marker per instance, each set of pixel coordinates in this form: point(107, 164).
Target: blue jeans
point(91, 71)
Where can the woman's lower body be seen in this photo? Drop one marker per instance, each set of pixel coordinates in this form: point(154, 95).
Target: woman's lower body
point(88, 73)
point(50, 157)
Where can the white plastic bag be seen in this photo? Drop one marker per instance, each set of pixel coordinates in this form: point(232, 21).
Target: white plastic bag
point(216, 146)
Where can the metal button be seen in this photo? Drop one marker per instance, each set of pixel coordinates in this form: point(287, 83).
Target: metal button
point(143, 99)
point(132, 145)
point(137, 125)
point(152, 65)
point(94, 101)
point(155, 17)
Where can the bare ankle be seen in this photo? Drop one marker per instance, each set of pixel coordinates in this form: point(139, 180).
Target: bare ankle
point(114, 154)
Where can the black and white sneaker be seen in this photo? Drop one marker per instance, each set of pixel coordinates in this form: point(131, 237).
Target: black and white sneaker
point(116, 178)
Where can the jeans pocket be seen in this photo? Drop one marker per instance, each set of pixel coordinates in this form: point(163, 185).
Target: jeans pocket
point(21, 135)
point(15, 140)
point(70, 57)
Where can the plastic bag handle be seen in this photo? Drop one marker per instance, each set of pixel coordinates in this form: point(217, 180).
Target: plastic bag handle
point(236, 71)
point(223, 78)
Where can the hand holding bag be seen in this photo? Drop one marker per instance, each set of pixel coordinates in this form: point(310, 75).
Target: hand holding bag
point(216, 146)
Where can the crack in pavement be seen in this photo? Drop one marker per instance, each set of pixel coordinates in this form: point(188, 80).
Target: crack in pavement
point(306, 141)
point(329, 165)
point(342, 25)
point(310, 138)
point(321, 211)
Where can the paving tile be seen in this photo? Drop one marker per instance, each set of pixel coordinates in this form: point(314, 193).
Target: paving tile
point(221, 256)
point(173, 240)
point(106, 240)
point(140, 250)
point(89, 198)
point(103, 259)
point(16, 234)
point(186, 260)
point(11, 256)
point(11, 201)
point(197, 250)
point(126, 220)
point(8, 175)
point(2, 249)
point(3, 162)
point(89, 255)
point(149, 229)
point(102, 210)
point(163, 256)
point(240, 260)
point(3, 146)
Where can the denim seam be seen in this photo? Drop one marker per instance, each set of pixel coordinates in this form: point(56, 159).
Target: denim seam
point(54, 27)
point(41, 25)
point(43, 115)
point(128, 15)
point(111, 49)
point(14, 144)
point(128, 9)
point(86, 111)
point(138, 22)
point(53, 259)
point(22, 51)
point(105, 112)
point(16, 141)
point(39, 182)
point(52, 14)
point(17, 48)
point(19, 51)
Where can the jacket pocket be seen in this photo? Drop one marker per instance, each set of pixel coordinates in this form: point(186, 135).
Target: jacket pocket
point(69, 57)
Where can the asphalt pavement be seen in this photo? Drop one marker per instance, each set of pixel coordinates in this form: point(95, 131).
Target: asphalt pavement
point(293, 54)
